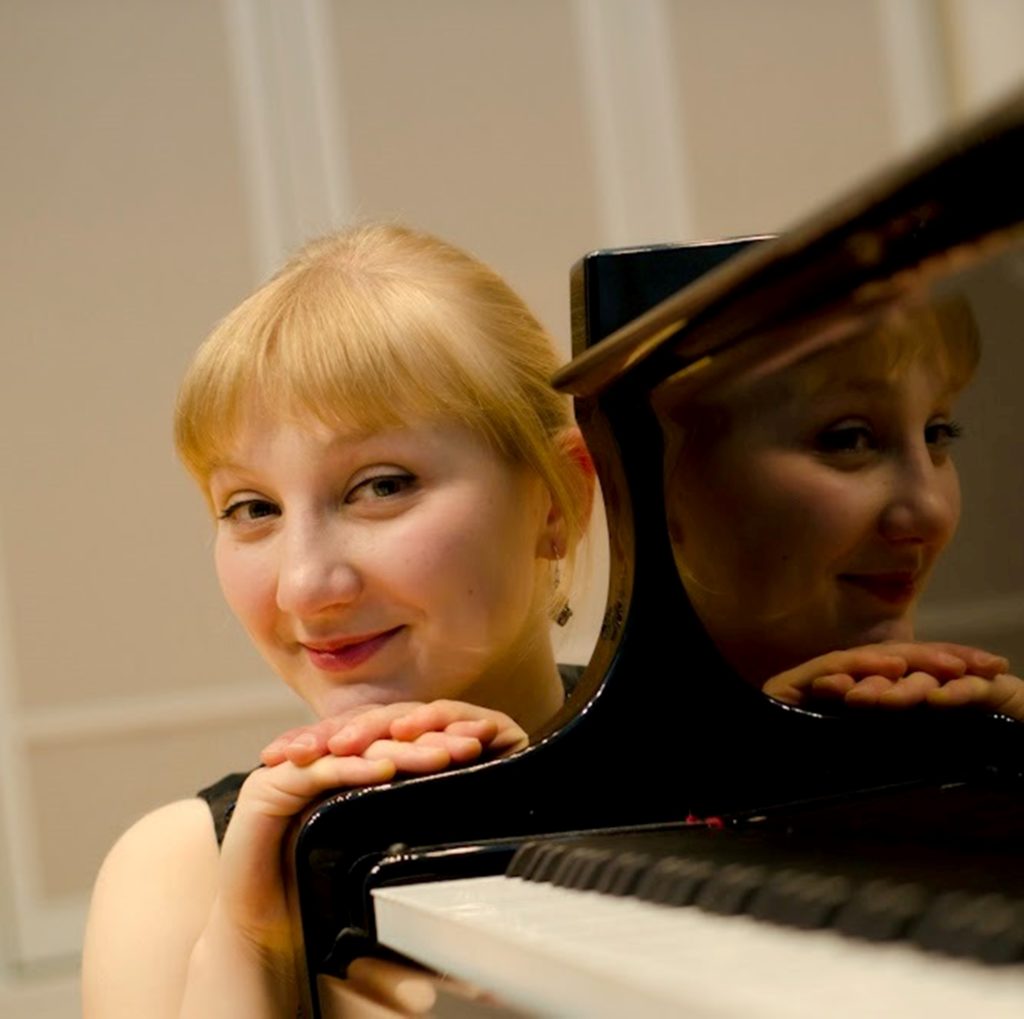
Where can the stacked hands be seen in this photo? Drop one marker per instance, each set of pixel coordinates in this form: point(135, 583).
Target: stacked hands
point(904, 674)
point(410, 737)
point(364, 746)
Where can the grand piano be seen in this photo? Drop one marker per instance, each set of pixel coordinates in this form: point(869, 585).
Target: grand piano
point(675, 841)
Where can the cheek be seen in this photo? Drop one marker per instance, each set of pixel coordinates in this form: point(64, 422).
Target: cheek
point(952, 498)
point(789, 522)
point(465, 562)
point(244, 583)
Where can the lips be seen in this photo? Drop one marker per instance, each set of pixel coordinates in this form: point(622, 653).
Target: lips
point(895, 587)
point(346, 653)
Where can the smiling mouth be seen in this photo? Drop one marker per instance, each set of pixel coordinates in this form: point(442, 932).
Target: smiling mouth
point(896, 588)
point(350, 653)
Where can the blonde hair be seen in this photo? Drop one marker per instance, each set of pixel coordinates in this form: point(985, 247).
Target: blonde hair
point(376, 327)
point(943, 333)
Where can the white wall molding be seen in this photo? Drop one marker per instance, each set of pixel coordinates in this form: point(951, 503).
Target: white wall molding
point(15, 858)
point(628, 85)
point(986, 40)
point(917, 69)
point(291, 125)
point(172, 710)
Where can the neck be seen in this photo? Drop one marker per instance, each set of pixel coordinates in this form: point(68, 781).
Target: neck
point(529, 689)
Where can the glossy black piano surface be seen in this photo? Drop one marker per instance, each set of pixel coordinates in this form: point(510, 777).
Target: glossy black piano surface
point(660, 727)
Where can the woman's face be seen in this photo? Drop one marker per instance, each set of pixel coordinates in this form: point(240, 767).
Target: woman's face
point(813, 523)
point(403, 565)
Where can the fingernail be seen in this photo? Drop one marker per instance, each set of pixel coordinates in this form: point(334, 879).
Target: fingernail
point(305, 740)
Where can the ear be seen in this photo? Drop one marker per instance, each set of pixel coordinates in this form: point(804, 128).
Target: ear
point(556, 535)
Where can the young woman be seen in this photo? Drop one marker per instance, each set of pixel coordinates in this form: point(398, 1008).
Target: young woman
point(393, 485)
point(809, 508)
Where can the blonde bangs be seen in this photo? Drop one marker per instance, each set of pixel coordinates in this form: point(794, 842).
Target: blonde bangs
point(381, 327)
point(360, 355)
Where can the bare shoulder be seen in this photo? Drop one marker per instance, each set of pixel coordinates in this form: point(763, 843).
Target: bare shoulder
point(150, 902)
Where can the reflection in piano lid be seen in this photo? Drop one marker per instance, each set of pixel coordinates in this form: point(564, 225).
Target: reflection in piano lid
point(660, 727)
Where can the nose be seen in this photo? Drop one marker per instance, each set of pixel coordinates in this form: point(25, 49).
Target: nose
point(316, 571)
point(923, 504)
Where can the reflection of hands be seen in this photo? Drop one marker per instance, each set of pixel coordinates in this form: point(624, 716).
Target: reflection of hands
point(418, 738)
point(902, 674)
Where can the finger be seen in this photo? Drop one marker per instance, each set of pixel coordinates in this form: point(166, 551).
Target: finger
point(412, 758)
point(400, 987)
point(909, 690)
point(483, 729)
point(305, 743)
point(306, 748)
point(359, 732)
point(1004, 693)
point(868, 690)
point(785, 693)
point(287, 788)
point(461, 749)
point(837, 685)
point(312, 741)
point(436, 716)
point(790, 686)
point(859, 662)
point(273, 752)
point(985, 664)
point(346, 999)
point(976, 661)
point(969, 689)
point(442, 714)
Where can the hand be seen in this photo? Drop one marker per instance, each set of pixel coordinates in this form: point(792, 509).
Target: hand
point(895, 675)
point(379, 989)
point(418, 738)
point(250, 904)
point(1003, 693)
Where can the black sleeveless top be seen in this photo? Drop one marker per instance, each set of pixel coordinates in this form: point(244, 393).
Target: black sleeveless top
point(223, 794)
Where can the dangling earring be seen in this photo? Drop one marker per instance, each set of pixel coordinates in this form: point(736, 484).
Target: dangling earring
point(564, 613)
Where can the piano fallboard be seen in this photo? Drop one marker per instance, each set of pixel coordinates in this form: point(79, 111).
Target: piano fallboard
point(556, 951)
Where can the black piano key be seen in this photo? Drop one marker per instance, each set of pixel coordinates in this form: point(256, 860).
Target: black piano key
point(989, 927)
point(730, 888)
point(622, 872)
point(803, 899)
point(882, 910)
point(878, 889)
point(581, 868)
point(543, 861)
point(674, 881)
point(522, 860)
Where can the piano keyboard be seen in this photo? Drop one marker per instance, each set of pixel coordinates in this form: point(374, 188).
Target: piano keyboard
point(555, 951)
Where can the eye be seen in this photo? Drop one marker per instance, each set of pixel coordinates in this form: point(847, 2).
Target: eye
point(942, 434)
point(381, 486)
point(846, 437)
point(249, 510)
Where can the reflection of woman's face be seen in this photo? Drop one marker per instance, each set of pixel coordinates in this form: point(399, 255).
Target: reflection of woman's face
point(813, 524)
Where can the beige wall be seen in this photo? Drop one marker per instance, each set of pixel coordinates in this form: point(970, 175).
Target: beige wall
point(159, 156)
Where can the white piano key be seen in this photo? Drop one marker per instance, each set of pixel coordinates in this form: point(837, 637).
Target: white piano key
point(561, 952)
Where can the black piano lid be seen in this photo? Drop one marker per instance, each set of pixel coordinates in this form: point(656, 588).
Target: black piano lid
point(917, 219)
point(659, 727)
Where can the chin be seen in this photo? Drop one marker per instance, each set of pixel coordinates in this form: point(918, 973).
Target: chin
point(357, 695)
point(888, 631)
